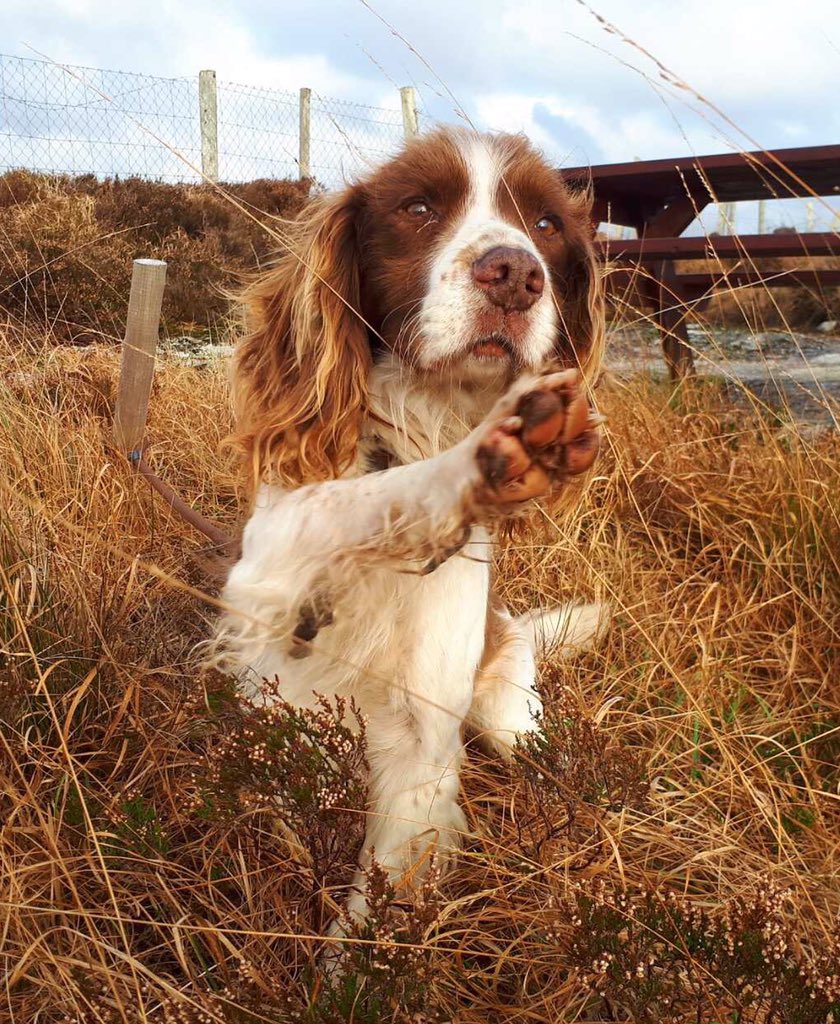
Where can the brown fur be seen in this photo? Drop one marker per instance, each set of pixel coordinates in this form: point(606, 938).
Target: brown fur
point(300, 373)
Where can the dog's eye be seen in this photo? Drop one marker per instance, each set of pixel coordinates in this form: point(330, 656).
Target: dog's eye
point(418, 208)
point(547, 226)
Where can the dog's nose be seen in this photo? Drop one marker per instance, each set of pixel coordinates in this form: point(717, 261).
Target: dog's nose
point(512, 278)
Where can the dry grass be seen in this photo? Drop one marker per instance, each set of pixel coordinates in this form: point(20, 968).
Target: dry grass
point(760, 308)
point(66, 246)
point(147, 874)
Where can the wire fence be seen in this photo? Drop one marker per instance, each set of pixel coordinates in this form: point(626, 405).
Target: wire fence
point(67, 119)
point(63, 119)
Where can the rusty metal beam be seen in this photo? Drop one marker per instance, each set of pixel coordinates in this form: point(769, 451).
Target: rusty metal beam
point(803, 171)
point(670, 312)
point(675, 217)
point(621, 278)
point(650, 250)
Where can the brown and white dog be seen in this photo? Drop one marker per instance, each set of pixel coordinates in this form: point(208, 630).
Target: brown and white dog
point(415, 371)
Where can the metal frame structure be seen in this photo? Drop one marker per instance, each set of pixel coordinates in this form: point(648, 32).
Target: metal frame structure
point(659, 199)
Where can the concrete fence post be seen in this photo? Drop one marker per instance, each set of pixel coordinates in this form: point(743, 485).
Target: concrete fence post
point(208, 116)
point(148, 278)
point(408, 101)
point(304, 135)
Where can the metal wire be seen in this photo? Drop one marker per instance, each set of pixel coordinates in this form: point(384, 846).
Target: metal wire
point(62, 119)
point(348, 137)
point(258, 133)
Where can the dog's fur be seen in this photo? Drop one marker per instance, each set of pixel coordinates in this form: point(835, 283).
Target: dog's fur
point(382, 395)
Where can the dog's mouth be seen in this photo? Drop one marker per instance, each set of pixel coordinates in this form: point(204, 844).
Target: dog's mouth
point(494, 348)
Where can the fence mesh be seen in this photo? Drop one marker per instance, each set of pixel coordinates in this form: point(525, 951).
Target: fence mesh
point(65, 119)
point(349, 137)
point(74, 120)
point(258, 133)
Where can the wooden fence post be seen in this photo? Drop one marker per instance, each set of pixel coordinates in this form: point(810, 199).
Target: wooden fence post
point(726, 219)
point(408, 99)
point(304, 166)
point(137, 367)
point(762, 210)
point(208, 115)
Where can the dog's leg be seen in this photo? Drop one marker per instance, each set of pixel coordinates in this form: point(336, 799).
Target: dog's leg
point(413, 809)
point(413, 797)
point(303, 547)
point(414, 720)
point(415, 750)
point(505, 702)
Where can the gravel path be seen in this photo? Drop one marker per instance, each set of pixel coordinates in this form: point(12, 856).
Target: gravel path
point(797, 371)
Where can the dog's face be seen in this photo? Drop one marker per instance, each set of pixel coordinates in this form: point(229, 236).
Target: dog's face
point(474, 257)
point(465, 256)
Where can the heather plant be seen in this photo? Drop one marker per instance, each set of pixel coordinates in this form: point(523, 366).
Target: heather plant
point(68, 244)
point(662, 956)
point(387, 968)
point(307, 767)
point(574, 774)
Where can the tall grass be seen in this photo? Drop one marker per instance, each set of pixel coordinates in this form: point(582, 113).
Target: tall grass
point(667, 852)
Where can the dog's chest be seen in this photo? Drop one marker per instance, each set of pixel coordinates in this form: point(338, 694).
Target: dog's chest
point(393, 630)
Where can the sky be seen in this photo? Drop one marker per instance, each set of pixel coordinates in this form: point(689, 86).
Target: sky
point(611, 81)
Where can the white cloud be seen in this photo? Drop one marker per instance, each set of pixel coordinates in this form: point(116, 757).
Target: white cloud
point(727, 51)
point(570, 132)
point(512, 112)
point(545, 67)
point(181, 39)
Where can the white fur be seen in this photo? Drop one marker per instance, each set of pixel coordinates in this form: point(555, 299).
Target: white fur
point(406, 646)
point(452, 300)
point(506, 703)
point(562, 631)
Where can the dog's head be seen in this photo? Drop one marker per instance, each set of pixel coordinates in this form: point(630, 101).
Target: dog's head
point(466, 255)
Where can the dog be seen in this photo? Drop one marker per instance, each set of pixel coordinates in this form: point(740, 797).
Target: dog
point(415, 371)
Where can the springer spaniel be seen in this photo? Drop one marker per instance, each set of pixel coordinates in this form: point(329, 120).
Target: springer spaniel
point(415, 371)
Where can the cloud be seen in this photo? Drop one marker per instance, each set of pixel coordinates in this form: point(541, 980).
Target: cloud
point(180, 40)
point(548, 68)
point(573, 133)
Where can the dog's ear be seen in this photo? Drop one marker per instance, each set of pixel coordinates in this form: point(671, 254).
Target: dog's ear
point(300, 372)
point(581, 293)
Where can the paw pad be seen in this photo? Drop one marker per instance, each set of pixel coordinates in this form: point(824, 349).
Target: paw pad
point(552, 435)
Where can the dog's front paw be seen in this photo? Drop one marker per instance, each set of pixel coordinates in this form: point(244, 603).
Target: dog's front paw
point(540, 434)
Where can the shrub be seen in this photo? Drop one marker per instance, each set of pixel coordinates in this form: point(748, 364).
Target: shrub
point(661, 956)
point(69, 242)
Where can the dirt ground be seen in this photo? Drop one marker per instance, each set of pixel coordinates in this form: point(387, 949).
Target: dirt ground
point(790, 370)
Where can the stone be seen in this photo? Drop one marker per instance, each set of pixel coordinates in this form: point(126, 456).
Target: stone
point(750, 343)
point(769, 339)
point(828, 326)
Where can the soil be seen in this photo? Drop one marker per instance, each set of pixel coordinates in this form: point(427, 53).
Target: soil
point(789, 371)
